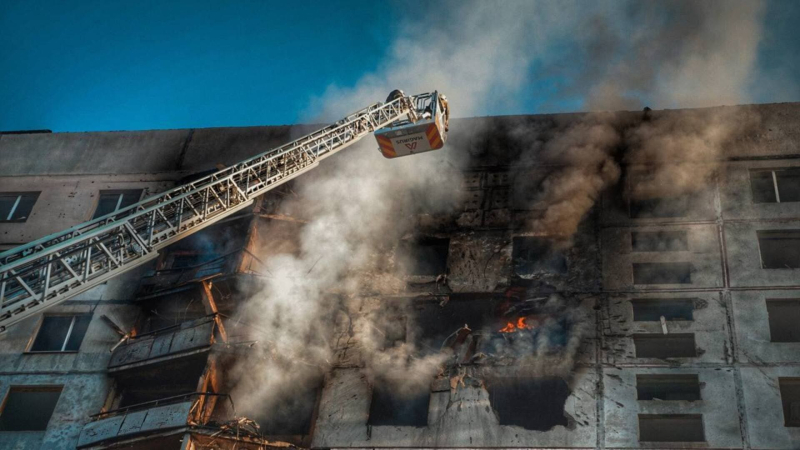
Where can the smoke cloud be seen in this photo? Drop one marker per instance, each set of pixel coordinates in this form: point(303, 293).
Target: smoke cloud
point(482, 55)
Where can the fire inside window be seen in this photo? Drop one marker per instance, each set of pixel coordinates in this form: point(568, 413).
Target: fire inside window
point(17, 206)
point(111, 201)
point(29, 408)
point(61, 333)
point(780, 249)
point(775, 185)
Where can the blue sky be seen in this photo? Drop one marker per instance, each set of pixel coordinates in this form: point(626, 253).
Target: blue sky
point(100, 65)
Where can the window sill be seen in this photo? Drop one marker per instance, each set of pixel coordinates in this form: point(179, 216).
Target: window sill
point(51, 352)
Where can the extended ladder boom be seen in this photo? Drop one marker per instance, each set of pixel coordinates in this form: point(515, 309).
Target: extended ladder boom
point(55, 268)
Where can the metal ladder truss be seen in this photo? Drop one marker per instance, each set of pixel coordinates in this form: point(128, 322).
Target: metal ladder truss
point(48, 271)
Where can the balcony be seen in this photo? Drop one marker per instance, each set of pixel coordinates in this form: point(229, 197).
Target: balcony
point(189, 338)
point(155, 417)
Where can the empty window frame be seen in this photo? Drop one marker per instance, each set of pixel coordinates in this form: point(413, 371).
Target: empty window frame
point(28, 408)
point(390, 407)
point(784, 320)
point(678, 345)
point(660, 241)
point(660, 208)
point(60, 333)
point(115, 200)
point(652, 309)
point(532, 254)
point(780, 249)
point(667, 387)
point(425, 256)
point(671, 428)
point(16, 206)
point(790, 397)
point(662, 273)
point(775, 185)
point(530, 404)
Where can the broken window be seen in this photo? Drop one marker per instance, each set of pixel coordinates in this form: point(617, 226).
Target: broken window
point(659, 241)
point(671, 428)
point(780, 249)
point(395, 408)
point(160, 381)
point(784, 320)
point(293, 415)
point(533, 254)
point(679, 345)
point(426, 256)
point(667, 387)
point(790, 397)
point(16, 206)
point(531, 404)
point(662, 273)
point(59, 333)
point(115, 200)
point(775, 185)
point(28, 408)
point(652, 309)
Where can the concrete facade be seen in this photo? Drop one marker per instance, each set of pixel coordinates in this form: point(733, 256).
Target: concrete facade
point(722, 302)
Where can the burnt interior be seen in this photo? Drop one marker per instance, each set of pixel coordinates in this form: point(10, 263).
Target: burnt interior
point(293, 414)
point(533, 404)
point(424, 256)
point(160, 381)
point(532, 254)
point(394, 408)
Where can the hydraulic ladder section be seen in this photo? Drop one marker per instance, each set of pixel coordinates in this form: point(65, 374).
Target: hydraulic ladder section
point(50, 270)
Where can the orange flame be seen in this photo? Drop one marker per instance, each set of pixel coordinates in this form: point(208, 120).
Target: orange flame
point(521, 324)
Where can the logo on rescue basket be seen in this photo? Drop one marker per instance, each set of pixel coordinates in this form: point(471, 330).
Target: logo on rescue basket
point(412, 146)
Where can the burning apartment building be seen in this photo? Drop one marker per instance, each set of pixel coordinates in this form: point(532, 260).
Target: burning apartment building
point(604, 280)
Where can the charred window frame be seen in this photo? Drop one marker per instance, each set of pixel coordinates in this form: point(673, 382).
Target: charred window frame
point(663, 273)
point(653, 309)
point(779, 249)
point(425, 256)
point(531, 404)
point(17, 206)
point(784, 320)
point(28, 408)
point(673, 345)
point(392, 408)
point(671, 428)
point(659, 241)
point(531, 254)
point(668, 387)
point(60, 333)
point(114, 200)
point(790, 399)
point(775, 185)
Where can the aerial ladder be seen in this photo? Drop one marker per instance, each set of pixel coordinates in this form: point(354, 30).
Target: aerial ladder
point(50, 270)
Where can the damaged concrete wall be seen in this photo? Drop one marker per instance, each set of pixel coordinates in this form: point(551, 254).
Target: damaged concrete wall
point(736, 364)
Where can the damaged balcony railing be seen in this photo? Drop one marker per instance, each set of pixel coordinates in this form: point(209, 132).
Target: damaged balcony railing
point(52, 269)
point(182, 339)
point(185, 410)
point(237, 261)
